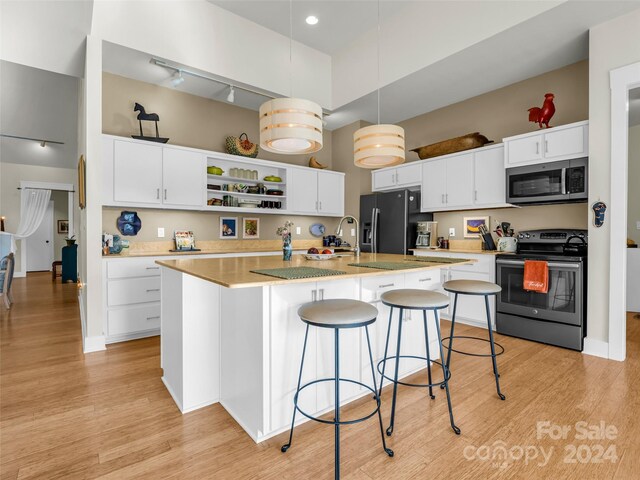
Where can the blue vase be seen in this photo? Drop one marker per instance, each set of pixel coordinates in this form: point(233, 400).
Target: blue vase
point(287, 249)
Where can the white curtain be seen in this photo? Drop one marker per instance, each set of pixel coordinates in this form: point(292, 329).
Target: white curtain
point(34, 206)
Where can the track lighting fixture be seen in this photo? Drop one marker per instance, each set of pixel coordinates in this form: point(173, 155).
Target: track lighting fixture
point(177, 79)
point(232, 94)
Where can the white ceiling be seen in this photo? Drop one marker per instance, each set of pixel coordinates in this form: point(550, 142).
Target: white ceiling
point(38, 104)
point(634, 107)
point(340, 21)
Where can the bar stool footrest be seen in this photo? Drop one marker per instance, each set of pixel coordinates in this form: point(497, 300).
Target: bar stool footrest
point(333, 422)
point(448, 346)
point(441, 383)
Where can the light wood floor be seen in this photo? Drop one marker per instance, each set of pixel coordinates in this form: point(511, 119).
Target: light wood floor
point(107, 414)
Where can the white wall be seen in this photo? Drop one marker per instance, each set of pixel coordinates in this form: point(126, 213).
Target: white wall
point(633, 212)
point(10, 176)
point(207, 37)
point(612, 45)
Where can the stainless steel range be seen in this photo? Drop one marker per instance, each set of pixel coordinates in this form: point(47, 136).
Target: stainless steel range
point(558, 317)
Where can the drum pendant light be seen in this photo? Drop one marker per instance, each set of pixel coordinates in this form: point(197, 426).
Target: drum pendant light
point(290, 125)
point(378, 146)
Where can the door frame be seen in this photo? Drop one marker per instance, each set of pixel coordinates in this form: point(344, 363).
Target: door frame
point(65, 187)
point(621, 81)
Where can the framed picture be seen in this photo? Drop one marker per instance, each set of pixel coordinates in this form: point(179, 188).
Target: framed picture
point(63, 226)
point(229, 227)
point(82, 199)
point(250, 228)
point(472, 226)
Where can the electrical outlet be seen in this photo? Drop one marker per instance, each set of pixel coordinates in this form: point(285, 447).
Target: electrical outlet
point(353, 232)
point(160, 232)
point(298, 230)
point(452, 232)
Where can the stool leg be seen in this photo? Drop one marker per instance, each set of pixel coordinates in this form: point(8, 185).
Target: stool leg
point(337, 400)
point(386, 351)
point(377, 397)
point(395, 377)
point(286, 446)
point(493, 349)
point(426, 341)
point(453, 323)
point(445, 370)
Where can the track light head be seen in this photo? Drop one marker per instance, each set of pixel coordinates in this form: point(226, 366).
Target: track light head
point(177, 79)
point(43, 144)
point(232, 94)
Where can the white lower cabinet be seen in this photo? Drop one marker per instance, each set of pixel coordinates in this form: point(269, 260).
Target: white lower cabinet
point(131, 320)
point(471, 308)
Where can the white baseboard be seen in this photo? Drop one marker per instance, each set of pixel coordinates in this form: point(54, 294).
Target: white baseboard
point(597, 348)
point(94, 344)
point(19, 274)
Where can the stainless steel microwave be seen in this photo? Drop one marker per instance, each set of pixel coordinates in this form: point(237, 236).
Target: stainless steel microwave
point(555, 182)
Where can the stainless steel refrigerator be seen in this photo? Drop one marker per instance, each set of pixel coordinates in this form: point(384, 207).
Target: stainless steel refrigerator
point(388, 221)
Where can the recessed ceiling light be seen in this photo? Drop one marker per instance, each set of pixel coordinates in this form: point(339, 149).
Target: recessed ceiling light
point(311, 20)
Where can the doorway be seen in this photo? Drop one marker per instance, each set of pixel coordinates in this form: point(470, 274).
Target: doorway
point(40, 244)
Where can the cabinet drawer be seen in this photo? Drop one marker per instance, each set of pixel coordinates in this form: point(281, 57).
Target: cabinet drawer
point(373, 287)
point(133, 319)
point(427, 280)
point(133, 290)
point(132, 268)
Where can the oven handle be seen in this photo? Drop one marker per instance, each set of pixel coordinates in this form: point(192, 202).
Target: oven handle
point(563, 180)
point(550, 264)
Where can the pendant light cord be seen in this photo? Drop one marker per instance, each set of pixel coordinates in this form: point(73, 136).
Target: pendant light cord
point(378, 62)
point(290, 48)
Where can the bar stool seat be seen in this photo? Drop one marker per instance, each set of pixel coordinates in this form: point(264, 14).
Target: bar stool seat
point(414, 299)
point(472, 287)
point(342, 313)
point(482, 288)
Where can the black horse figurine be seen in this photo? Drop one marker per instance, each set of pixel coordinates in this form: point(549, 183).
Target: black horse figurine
point(151, 117)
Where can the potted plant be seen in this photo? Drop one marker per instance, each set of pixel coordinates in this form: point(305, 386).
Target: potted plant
point(70, 240)
point(285, 232)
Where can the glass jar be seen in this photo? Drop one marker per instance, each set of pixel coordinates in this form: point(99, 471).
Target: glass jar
point(233, 172)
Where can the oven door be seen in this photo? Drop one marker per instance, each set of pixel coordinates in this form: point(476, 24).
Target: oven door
point(562, 303)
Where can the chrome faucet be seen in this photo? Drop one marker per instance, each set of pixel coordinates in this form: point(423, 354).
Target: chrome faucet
point(356, 248)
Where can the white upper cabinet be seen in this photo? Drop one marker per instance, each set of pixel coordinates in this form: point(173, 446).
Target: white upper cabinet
point(464, 180)
point(558, 143)
point(184, 178)
point(316, 192)
point(137, 173)
point(489, 176)
point(407, 175)
point(459, 181)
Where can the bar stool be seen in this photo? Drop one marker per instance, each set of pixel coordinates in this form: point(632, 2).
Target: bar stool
point(337, 314)
point(475, 287)
point(413, 299)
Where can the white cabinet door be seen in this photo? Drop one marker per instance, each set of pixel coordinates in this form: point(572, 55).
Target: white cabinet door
point(490, 186)
point(521, 150)
point(568, 142)
point(287, 338)
point(408, 175)
point(184, 178)
point(383, 179)
point(434, 184)
point(459, 181)
point(302, 188)
point(330, 193)
point(137, 175)
point(349, 341)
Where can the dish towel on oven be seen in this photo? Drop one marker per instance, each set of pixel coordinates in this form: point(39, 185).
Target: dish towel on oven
point(536, 276)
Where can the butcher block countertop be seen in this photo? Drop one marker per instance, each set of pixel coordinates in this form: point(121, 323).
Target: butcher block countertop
point(237, 272)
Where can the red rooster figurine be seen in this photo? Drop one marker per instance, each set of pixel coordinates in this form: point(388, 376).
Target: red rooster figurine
point(543, 115)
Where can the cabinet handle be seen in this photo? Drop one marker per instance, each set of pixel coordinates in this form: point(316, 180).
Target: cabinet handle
point(165, 193)
point(153, 290)
point(314, 295)
point(424, 279)
point(447, 198)
point(157, 194)
point(442, 198)
point(537, 148)
point(153, 268)
point(546, 146)
point(153, 318)
point(387, 285)
point(475, 195)
point(320, 208)
point(321, 293)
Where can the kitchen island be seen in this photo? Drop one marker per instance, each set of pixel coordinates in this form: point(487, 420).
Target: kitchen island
point(233, 336)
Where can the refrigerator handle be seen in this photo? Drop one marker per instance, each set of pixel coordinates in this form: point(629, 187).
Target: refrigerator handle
point(374, 230)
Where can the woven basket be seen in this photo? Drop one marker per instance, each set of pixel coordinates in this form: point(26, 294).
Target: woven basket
point(240, 146)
